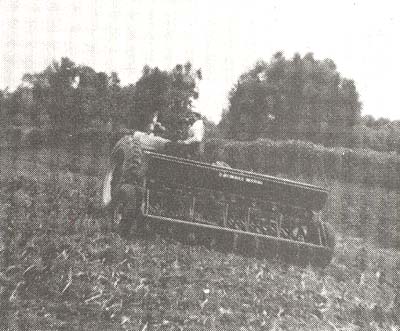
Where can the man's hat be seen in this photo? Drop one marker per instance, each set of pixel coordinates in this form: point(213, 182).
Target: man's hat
point(192, 116)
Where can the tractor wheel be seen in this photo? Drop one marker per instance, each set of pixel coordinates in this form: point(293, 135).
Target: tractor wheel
point(122, 192)
point(125, 166)
point(126, 211)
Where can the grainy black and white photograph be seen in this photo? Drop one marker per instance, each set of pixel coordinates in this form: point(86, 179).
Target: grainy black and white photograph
point(170, 165)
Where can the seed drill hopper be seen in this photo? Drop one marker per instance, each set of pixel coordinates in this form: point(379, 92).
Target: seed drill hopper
point(233, 210)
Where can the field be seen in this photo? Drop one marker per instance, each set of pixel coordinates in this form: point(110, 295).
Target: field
point(64, 268)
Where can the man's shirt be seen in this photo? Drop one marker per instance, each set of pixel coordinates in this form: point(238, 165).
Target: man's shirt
point(196, 133)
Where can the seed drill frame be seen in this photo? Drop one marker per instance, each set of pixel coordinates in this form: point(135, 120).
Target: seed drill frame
point(235, 210)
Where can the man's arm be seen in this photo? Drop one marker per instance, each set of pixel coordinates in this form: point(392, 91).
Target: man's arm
point(159, 126)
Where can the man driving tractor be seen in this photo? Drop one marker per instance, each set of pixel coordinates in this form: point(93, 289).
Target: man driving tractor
point(126, 156)
point(191, 134)
point(195, 134)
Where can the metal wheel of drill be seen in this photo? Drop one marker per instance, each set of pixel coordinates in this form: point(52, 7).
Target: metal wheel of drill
point(329, 238)
point(299, 233)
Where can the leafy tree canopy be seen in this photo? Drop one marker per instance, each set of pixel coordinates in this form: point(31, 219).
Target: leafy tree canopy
point(71, 95)
point(167, 93)
point(297, 98)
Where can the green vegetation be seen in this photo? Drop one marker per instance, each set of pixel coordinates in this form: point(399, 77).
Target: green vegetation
point(69, 98)
point(307, 99)
point(301, 98)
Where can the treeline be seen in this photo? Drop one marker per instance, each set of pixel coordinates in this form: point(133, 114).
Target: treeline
point(69, 98)
point(303, 98)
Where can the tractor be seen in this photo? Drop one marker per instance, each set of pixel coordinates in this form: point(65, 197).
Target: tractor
point(151, 192)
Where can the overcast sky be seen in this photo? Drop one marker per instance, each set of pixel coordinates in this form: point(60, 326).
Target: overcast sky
point(224, 38)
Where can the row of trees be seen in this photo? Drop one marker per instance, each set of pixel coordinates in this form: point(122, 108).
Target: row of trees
point(299, 98)
point(306, 99)
point(64, 96)
point(69, 97)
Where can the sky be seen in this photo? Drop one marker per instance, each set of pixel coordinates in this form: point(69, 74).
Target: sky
point(223, 38)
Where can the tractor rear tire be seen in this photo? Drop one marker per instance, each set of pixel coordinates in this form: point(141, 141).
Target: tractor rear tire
point(126, 166)
point(123, 183)
point(127, 214)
